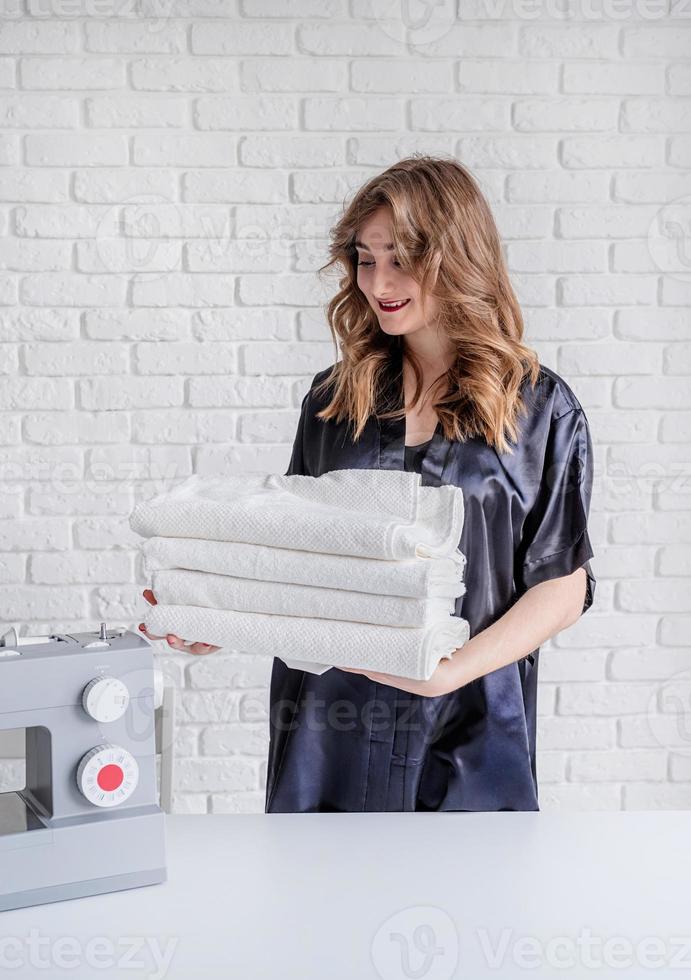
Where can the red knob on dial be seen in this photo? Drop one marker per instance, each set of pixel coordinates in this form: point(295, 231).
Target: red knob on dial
point(107, 775)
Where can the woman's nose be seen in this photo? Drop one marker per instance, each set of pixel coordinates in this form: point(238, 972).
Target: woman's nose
point(382, 283)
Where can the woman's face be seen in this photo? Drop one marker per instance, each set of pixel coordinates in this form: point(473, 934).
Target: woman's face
point(384, 283)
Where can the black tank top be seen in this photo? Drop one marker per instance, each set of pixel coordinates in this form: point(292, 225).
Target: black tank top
point(415, 454)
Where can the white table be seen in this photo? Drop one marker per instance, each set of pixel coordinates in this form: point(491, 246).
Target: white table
point(332, 895)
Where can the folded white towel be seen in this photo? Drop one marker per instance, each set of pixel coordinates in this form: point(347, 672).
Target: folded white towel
point(417, 577)
point(369, 513)
point(405, 652)
point(182, 587)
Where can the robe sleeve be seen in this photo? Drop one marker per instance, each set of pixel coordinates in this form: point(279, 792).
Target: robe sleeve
point(297, 460)
point(555, 538)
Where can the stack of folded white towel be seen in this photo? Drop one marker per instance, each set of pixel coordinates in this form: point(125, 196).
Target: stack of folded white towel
point(355, 568)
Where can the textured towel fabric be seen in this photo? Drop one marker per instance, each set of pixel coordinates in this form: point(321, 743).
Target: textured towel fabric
point(417, 578)
point(180, 587)
point(384, 514)
point(412, 653)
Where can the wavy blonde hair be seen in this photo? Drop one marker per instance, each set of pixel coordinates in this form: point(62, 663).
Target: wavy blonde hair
point(445, 237)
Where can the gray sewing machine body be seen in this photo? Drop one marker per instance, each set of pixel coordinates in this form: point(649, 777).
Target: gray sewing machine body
point(88, 819)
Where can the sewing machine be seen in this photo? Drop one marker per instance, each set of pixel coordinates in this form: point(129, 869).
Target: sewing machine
point(88, 819)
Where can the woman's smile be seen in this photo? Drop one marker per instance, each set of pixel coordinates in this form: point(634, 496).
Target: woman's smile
point(393, 306)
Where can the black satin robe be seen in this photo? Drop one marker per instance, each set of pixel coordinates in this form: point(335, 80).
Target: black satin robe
point(340, 741)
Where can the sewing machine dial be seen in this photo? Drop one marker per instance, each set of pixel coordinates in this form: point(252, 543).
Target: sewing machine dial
point(107, 775)
point(105, 699)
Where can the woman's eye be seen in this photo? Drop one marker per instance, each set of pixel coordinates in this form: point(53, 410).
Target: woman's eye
point(365, 263)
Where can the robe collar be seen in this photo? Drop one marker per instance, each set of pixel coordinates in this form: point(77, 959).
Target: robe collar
point(392, 435)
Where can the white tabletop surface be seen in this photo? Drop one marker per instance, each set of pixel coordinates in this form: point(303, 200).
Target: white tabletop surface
point(384, 895)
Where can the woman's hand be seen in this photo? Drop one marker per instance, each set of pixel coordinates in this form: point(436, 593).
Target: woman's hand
point(448, 676)
point(173, 640)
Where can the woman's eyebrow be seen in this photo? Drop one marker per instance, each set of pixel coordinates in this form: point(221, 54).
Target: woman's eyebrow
point(358, 244)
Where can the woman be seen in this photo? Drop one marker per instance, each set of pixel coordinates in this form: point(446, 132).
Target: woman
point(434, 377)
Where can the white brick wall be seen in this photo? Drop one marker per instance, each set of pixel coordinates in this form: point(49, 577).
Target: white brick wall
point(169, 173)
